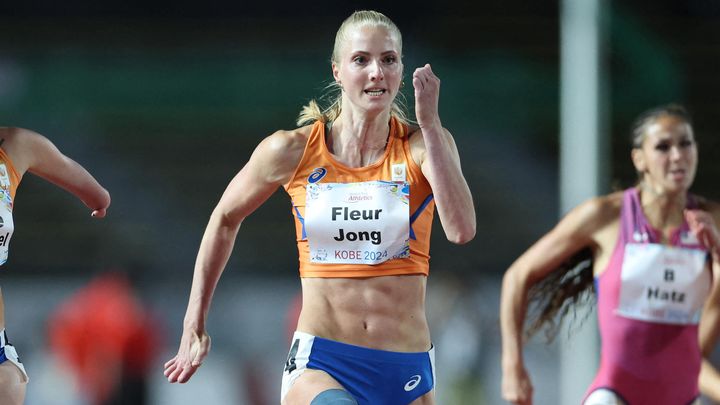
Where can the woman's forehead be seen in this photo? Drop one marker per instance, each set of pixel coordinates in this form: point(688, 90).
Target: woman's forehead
point(668, 127)
point(364, 37)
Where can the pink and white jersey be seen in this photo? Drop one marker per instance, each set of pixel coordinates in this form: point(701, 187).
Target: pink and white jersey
point(649, 301)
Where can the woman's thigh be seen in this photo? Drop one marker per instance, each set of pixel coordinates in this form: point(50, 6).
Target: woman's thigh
point(12, 384)
point(308, 385)
point(427, 399)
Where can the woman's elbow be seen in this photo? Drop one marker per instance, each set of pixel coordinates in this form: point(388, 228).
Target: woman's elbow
point(222, 218)
point(462, 236)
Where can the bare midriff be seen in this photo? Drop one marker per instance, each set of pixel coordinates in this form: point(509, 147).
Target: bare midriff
point(384, 313)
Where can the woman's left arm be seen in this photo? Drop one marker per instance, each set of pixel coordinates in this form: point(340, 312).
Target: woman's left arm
point(440, 161)
point(708, 335)
point(703, 225)
point(40, 156)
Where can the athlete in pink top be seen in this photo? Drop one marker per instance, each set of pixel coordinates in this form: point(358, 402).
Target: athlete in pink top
point(654, 255)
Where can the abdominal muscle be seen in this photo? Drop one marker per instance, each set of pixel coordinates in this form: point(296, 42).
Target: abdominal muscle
point(384, 313)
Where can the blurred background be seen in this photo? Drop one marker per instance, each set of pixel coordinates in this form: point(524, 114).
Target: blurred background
point(164, 101)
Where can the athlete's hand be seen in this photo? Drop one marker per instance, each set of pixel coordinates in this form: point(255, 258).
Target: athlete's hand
point(194, 347)
point(703, 226)
point(516, 386)
point(427, 93)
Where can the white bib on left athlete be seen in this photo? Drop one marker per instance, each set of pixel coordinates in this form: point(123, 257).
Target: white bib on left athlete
point(663, 284)
point(357, 223)
point(6, 220)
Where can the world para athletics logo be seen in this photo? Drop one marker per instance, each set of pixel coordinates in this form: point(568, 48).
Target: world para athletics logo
point(317, 174)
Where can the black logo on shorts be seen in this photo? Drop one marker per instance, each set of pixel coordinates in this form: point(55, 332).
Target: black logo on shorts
point(290, 365)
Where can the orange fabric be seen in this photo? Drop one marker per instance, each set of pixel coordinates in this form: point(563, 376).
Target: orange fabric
point(316, 155)
point(12, 173)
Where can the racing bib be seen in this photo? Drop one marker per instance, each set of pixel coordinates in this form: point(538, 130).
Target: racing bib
point(663, 284)
point(357, 223)
point(6, 219)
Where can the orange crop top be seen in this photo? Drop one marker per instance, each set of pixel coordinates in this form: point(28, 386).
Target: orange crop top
point(318, 167)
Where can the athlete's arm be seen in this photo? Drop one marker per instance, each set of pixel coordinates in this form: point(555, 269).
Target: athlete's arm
point(438, 158)
point(33, 152)
point(573, 233)
point(271, 165)
point(704, 226)
point(709, 331)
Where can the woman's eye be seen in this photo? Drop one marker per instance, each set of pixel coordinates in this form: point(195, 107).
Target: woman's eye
point(663, 147)
point(390, 60)
point(686, 143)
point(359, 59)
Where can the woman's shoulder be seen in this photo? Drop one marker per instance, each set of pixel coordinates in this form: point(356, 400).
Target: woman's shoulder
point(283, 142)
point(20, 145)
point(285, 138)
point(598, 212)
point(603, 204)
point(283, 149)
point(11, 134)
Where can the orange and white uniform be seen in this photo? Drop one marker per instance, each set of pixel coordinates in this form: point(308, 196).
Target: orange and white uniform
point(361, 222)
point(9, 181)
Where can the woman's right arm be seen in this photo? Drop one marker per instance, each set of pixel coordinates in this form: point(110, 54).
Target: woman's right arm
point(271, 165)
point(574, 232)
point(35, 153)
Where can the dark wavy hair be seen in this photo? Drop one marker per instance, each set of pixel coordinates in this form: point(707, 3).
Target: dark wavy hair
point(551, 299)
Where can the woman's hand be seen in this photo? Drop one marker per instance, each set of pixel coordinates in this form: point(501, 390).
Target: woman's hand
point(194, 347)
point(427, 93)
point(705, 230)
point(516, 386)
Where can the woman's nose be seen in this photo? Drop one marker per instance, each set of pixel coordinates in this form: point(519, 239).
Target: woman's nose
point(376, 72)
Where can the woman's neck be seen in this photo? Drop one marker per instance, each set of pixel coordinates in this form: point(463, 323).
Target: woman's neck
point(662, 209)
point(358, 140)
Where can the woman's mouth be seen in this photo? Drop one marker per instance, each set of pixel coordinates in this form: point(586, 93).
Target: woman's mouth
point(677, 174)
point(375, 92)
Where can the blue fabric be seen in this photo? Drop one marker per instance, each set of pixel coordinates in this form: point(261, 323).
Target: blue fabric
point(417, 213)
point(374, 377)
point(3, 357)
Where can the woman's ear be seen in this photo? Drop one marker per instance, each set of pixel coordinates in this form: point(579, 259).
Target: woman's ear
point(638, 159)
point(336, 72)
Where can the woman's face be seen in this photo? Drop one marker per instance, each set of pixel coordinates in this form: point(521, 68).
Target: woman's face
point(369, 68)
point(668, 157)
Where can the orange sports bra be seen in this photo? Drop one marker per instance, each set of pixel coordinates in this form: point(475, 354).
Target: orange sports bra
point(361, 222)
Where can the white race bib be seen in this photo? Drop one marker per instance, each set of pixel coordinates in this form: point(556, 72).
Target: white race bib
point(357, 223)
point(6, 220)
point(663, 284)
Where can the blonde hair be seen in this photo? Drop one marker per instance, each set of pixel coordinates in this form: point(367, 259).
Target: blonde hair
point(313, 111)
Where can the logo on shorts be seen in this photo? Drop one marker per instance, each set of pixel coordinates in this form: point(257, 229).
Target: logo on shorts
point(414, 381)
